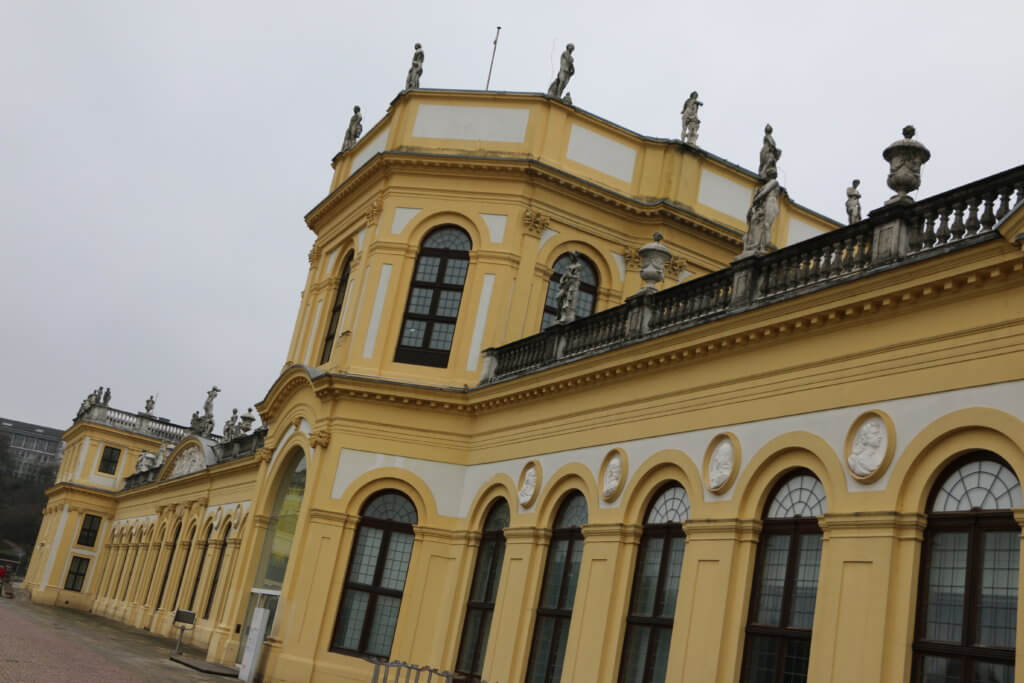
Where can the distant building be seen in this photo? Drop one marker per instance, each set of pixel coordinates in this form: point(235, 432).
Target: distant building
point(35, 451)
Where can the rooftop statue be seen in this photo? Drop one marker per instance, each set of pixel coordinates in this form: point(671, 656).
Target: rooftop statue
point(565, 71)
point(354, 130)
point(106, 397)
point(203, 424)
point(412, 80)
point(691, 123)
point(853, 202)
point(232, 429)
point(764, 209)
point(150, 404)
point(569, 289)
point(208, 404)
point(770, 153)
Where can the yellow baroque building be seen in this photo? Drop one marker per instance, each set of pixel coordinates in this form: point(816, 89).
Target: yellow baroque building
point(799, 465)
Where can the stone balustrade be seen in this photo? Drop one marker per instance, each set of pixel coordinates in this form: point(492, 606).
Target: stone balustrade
point(139, 423)
point(897, 233)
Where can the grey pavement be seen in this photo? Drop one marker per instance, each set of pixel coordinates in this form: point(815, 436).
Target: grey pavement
point(40, 644)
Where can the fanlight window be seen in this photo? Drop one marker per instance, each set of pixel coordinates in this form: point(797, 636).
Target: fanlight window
point(967, 604)
point(778, 644)
point(652, 607)
point(551, 629)
point(586, 298)
point(377, 569)
point(483, 592)
point(434, 298)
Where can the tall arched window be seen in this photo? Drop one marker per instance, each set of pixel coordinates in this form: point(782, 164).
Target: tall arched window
point(558, 592)
point(212, 593)
point(586, 299)
point(170, 561)
point(785, 583)
point(483, 591)
point(284, 517)
point(377, 568)
point(655, 585)
point(335, 319)
point(967, 598)
point(434, 298)
point(199, 567)
point(184, 567)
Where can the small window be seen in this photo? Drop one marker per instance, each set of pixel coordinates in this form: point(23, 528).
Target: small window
point(108, 463)
point(554, 613)
point(586, 298)
point(335, 319)
point(967, 596)
point(377, 568)
point(483, 592)
point(90, 526)
point(435, 297)
point(778, 645)
point(76, 573)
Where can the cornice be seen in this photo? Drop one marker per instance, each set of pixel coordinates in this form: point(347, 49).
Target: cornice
point(873, 525)
point(386, 163)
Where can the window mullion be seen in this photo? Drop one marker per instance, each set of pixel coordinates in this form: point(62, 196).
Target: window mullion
point(789, 580)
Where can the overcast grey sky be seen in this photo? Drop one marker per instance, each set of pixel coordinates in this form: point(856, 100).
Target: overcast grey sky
point(156, 159)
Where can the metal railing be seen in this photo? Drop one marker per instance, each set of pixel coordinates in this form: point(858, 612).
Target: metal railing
point(902, 232)
point(403, 672)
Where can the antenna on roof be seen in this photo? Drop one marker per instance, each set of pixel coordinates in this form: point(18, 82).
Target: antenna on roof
point(493, 52)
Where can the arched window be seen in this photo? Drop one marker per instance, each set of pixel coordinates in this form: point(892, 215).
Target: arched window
point(785, 583)
point(655, 585)
point(199, 567)
point(586, 299)
point(184, 567)
point(551, 629)
point(483, 591)
point(170, 561)
point(967, 597)
point(335, 319)
point(284, 518)
point(212, 593)
point(376, 577)
point(434, 298)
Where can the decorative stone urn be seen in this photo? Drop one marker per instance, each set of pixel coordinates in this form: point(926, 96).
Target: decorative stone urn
point(905, 158)
point(653, 257)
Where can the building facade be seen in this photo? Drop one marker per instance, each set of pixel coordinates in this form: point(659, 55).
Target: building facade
point(33, 451)
point(802, 464)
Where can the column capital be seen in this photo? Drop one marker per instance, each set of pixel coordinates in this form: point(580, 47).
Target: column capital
point(528, 535)
point(888, 524)
point(731, 529)
point(332, 517)
point(612, 533)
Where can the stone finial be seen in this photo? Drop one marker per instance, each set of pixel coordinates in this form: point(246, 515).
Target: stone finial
point(412, 79)
point(905, 159)
point(653, 256)
point(566, 69)
point(691, 123)
point(853, 202)
point(569, 289)
point(354, 130)
point(247, 420)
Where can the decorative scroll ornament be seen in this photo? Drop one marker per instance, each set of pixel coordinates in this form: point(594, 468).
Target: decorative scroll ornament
point(536, 222)
point(870, 445)
point(632, 258)
point(675, 267)
point(373, 212)
point(721, 462)
point(320, 438)
point(191, 460)
point(529, 484)
point(613, 475)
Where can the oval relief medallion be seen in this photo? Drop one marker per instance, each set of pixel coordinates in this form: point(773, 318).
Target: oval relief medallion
point(870, 444)
point(613, 474)
point(529, 483)
point(721, 462)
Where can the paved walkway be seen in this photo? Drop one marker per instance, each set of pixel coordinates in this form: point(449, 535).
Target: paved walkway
point(40, 644)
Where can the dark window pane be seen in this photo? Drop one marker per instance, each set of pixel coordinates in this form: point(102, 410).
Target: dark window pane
point(806, 586)
point(544, 649)
point(392, 506)
point(364, 558)
point(412, 332)
point(634, 654)
point(428, 268)
point(997, 605)
point(555, 570)
point(762, 660)
point(573, 512)
point(76, 573)
point(940, 670)
point(108, 463)
point(992, 672)
point(90, 526)
point(670, 578)
point(455, 271)
point(648, 568)
point(396, 564)
point(797, 657)
point(382, 626)
point(672, 505)
point(420, 299)
point(448, 304)
point(441, 336)
point(451, 238)
point(947, 577)
point(353, 614)
point(773, 580)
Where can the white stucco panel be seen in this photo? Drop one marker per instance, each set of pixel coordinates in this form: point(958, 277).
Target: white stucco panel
point(601, 153)
point(493, 124)
point(495, 226)
point(481, 322)
point(801, 230)
point(722, 194)
point(377, 311)
point(401, 219)
point(368, 149)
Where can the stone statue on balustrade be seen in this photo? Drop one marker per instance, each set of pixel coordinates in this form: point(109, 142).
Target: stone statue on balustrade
point(764, 209)
point(203, 424)
point(691, 122)
point(232, 429)
point(354, 130)
point(853, 202)
point(770, 154)
point(150, 404)
point(106, 397)
point(412, 79)
point(566, 69)
point(569, 289)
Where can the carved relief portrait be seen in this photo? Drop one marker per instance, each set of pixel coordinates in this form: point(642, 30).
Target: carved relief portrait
point(613, 475)
point(869, 446)
point(721, 462)
point(529, 483)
